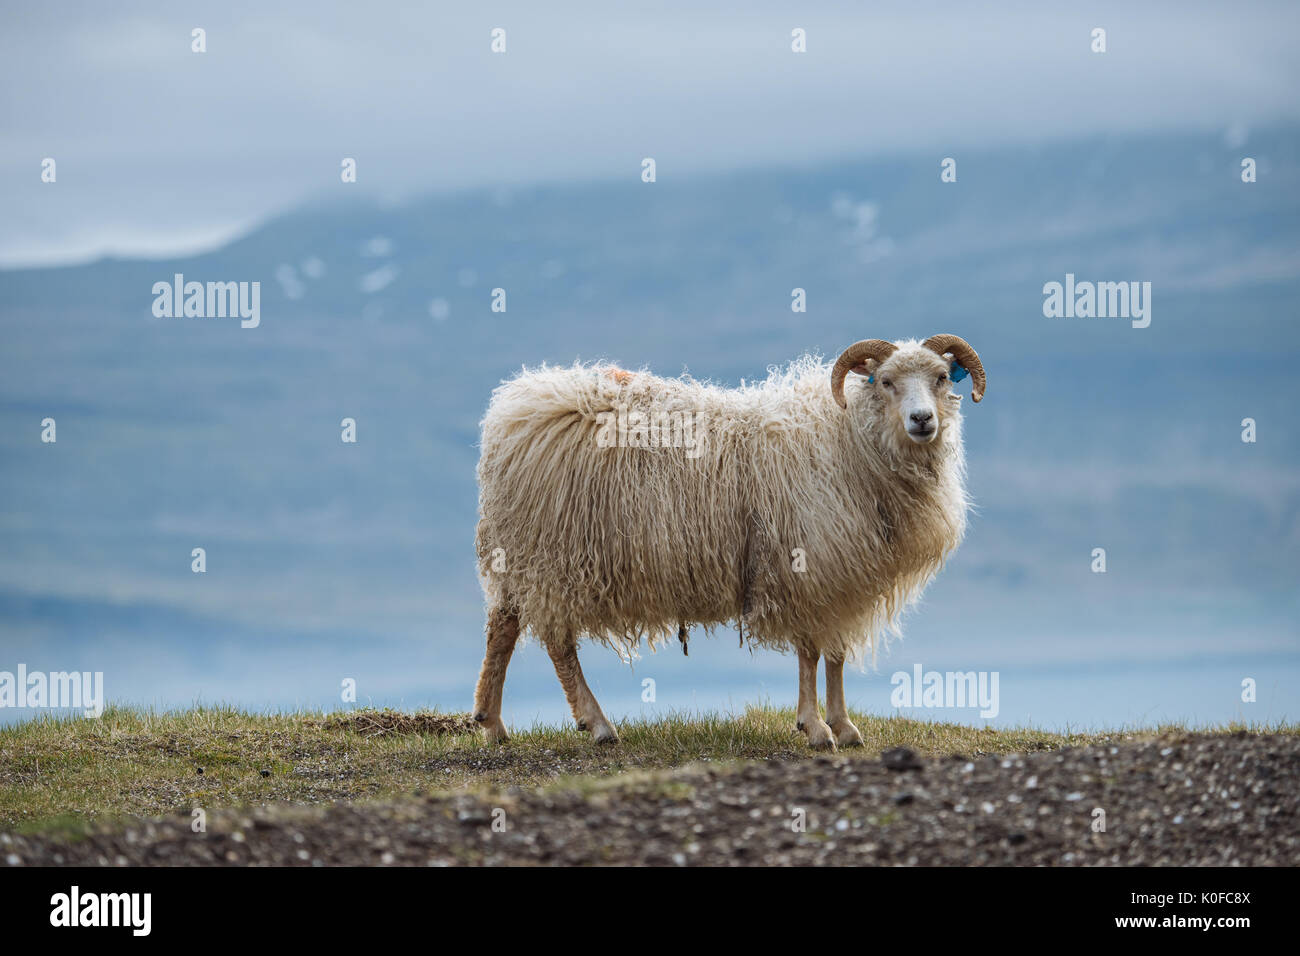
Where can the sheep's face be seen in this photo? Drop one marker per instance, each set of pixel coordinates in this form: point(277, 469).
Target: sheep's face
point(915, 390)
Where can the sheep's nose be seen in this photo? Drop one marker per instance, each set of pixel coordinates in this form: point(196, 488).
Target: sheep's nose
point(921, 417)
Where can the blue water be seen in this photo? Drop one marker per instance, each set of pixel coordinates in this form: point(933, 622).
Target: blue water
point(328, 561)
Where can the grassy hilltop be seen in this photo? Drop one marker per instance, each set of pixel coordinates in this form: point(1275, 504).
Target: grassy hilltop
point(61, 774)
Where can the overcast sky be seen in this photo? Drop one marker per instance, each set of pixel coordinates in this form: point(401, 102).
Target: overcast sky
point(161, 150)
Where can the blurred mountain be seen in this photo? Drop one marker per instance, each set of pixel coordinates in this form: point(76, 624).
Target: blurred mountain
point(178, 433)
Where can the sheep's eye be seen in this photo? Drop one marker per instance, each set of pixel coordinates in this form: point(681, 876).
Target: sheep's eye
point(942, 378)
point(887, 383)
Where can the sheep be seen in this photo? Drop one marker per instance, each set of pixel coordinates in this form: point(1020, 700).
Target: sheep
point(625, 508)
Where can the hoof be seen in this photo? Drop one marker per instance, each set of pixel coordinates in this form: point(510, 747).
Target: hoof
point(605, 735)
point(848, 736)
point(819, 735)
point(494, 731)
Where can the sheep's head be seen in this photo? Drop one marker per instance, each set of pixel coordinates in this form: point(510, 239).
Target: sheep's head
point(911, 380)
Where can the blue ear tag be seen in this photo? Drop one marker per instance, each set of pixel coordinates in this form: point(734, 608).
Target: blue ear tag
point(871, 380)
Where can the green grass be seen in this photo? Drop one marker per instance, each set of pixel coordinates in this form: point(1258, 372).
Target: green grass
point(61, 774)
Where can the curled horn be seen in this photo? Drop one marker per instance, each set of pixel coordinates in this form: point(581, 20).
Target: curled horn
point(855, 355)
point(966, 357)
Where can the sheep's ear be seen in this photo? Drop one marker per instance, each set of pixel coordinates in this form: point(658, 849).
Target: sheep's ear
point(864, 368)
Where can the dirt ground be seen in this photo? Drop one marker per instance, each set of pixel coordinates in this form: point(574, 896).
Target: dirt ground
point(1189, 800)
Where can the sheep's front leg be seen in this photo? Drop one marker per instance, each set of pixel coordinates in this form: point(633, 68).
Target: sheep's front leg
point(564, 655)
point(809, 720)
point(837, 714)
point(502, 635)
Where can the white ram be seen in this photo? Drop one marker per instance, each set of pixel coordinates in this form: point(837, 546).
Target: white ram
point(807, 509)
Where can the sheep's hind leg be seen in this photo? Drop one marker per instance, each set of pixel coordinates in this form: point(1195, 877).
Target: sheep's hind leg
point(502, 635)
point(837, 714)
point(564, 655)
point(809, 720)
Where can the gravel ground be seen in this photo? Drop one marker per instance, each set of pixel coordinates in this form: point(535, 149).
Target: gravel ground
point(1187, 800)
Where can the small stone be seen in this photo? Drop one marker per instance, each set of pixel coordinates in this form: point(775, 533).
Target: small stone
point(900, 758)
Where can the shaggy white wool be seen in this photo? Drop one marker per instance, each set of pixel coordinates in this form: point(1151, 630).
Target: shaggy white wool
point(622, 544)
